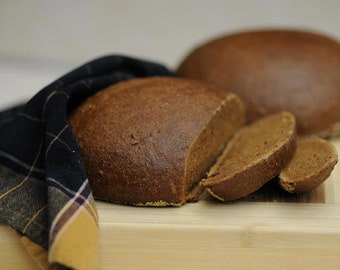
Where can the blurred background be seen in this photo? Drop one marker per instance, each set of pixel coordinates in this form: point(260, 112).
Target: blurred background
point(41, 40)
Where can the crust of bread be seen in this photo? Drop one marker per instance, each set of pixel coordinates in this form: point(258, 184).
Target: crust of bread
point(275, 70)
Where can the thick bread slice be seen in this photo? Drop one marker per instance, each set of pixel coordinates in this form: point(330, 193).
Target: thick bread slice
point(148, 142)
point(312, 163)
point(256, 154)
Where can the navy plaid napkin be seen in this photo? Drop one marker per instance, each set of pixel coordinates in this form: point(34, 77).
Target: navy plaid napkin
point(43, 185)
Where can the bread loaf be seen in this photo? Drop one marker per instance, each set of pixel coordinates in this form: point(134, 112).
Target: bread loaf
point(256, 154)
point(312, 163)
point(148, 142)
point(275, 70)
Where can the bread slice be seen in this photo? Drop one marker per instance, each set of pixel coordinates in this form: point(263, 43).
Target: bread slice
point(148, 142)
point(312, 163)
point(256, 154)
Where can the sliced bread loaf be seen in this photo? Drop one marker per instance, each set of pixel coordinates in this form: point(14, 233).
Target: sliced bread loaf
point(148, 142)
point(256, 154)
point(312, 163)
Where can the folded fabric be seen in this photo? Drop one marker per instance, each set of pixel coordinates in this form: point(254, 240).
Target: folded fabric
point(44, 191)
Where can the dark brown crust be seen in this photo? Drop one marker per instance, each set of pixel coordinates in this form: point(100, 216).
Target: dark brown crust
point(323, 153)
point(276, 70)
point(255, 175)
point(134, 136)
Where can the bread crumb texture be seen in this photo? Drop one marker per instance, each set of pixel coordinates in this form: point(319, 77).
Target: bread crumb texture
point(312, 163)
point(256, 154)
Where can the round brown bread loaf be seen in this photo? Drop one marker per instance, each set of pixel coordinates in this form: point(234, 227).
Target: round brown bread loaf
point(275, 70)
point(312, 163)
point(256, 154)
point(148, 142)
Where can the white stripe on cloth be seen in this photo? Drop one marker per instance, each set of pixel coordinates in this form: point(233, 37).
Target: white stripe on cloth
point(68, 205)
point(75, 195)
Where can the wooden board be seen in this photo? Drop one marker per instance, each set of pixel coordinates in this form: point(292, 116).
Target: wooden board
point(268, 230)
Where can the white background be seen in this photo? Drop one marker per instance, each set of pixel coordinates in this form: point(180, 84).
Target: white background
point(43, 39)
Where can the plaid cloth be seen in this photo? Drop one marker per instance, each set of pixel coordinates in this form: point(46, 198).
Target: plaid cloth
point(44, 191)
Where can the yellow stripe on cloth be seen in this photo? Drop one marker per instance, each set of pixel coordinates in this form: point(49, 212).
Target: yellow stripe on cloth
point(77, 244)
